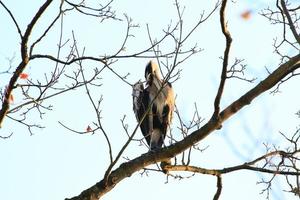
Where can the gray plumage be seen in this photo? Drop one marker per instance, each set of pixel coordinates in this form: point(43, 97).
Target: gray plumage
point(155, 124)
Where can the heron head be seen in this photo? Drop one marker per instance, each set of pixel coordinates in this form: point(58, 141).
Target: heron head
point(151, 71)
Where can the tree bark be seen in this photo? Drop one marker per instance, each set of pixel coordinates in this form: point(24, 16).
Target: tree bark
point(128, 168)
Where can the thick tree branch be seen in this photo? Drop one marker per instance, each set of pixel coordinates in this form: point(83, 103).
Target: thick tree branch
point(127, 169)
point(274, 78)
point(29, 29)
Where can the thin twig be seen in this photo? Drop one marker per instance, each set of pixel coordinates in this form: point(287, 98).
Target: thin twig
point(13, 18)
point(291, 24)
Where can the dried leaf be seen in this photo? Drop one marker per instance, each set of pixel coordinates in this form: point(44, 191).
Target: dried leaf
point(88, 129)
point(246, 15)
point(23, 76)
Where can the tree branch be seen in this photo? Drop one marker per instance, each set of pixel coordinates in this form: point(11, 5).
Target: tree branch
point(227, 35)
point(47, 29)
point(274, 78)
point(219, 188)
point(24, 62)
point(218, 172)
point(13, 18)
point(128, 168)
point(291, 24)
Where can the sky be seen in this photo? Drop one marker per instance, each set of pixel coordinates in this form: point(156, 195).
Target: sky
point(55, 163)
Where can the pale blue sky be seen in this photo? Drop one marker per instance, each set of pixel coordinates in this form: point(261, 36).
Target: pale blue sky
point(55, 163)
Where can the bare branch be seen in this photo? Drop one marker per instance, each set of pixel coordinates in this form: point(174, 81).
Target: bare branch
point(6, 137)
point(291, 24)
point(128, 168)
point(237, 70)
point(60, 13)
point(274, 162)
point(275, 77)
point(247, 166)
point(23, 63)
point(201, 20)
point(227, 35)
point(75, 131)
point(13, 18)
point(219, 188)
point(103, 12)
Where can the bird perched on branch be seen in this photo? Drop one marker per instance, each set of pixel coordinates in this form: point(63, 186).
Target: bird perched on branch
point(153, 106)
